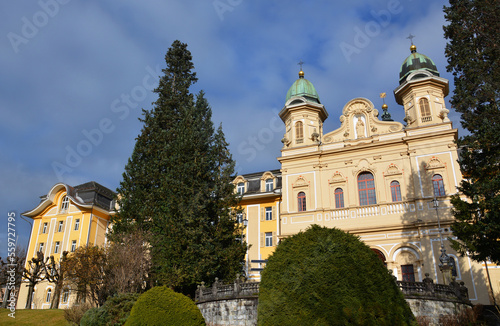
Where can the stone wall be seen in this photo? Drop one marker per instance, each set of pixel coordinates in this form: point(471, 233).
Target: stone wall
point(433, 309)
point(236, 304)
point(234, 312)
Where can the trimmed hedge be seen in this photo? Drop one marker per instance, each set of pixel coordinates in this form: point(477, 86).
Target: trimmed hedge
point(114, 312)
point(328, 277)
point(163, 306)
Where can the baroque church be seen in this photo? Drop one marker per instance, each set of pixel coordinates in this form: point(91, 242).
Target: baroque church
point(387, 182)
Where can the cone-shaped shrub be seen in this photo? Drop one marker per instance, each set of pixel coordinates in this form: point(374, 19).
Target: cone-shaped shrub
point(328, 277)
point(163, 306)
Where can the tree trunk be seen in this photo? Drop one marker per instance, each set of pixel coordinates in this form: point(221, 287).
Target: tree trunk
point(29, 299)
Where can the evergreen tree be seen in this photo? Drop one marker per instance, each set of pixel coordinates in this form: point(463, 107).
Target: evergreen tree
point(474, 59)
point(177, 185)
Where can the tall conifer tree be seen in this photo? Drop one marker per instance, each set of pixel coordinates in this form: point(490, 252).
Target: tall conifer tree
point(473, 55)
point(177, 185)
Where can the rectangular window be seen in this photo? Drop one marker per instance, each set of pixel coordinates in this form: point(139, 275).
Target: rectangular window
point(77, 224)
point(407, 273)
point(65, 296)
point(269, 185)
point(60, 227)
point(44, 229)
point(269, 239)
point(40, 247)
point(56, 247)
point(73, 246)
point(269, 213)
point(241, 188)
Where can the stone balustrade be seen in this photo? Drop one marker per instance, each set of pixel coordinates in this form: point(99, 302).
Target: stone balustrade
point(236, 303)
point(218, 291)
point(427, 289)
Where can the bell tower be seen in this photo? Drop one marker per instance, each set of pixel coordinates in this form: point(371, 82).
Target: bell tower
point(303, 115)
point(421, 91)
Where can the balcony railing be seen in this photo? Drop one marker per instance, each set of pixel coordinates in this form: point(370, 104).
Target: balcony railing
point(378, 210)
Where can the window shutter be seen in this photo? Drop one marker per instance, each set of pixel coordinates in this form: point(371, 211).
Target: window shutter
point(262, 213)
point(262, 239)
point(274, 213)
point(275, 242)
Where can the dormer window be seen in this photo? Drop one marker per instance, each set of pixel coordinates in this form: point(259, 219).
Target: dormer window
point(240, 188)
point(269, 185)
point(64, 204)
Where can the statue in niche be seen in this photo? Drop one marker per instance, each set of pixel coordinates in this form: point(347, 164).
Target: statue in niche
point(360, 128)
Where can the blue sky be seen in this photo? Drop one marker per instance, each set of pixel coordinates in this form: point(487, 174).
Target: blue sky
point(75, 73)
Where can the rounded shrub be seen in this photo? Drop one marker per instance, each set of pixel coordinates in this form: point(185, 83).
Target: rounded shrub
point(163, 306)
point(328, 277)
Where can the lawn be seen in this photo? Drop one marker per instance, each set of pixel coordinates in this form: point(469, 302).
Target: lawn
point(37, 317)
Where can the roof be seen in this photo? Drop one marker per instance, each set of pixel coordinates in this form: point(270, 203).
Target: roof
point(416, 61)
point(303, 87)
point(90, 194)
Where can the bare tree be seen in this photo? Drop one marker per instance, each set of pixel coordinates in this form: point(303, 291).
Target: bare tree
point(85, 272)
point(34, 274)
point(128, 263)
point(54, 273)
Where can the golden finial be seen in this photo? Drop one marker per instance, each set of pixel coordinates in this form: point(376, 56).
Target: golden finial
point(382, 96)
point(413, 48)
point(386, 116)
point(301, 73)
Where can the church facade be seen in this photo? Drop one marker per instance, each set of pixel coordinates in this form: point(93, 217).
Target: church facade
point(388, 183)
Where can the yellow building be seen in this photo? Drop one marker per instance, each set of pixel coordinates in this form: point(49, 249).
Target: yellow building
point(261, 194)
point(65, 219)
point(386, 182)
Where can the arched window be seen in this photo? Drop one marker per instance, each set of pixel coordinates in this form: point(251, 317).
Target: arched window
point(49, 294)
point(395, 191)
point(301, 199)
point(339, 198)
point(366, 189)
point(299, 131)
point(425, 110)
point(64, 204)
point(437, 183)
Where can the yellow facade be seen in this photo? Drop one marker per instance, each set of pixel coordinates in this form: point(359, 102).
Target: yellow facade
point(386, 182)
point(260, 212)
point(65, 219)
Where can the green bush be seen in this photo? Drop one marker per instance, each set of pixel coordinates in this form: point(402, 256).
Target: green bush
point(114, 312)
point(328, 277)
point(163, 306)
point(94, 317)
